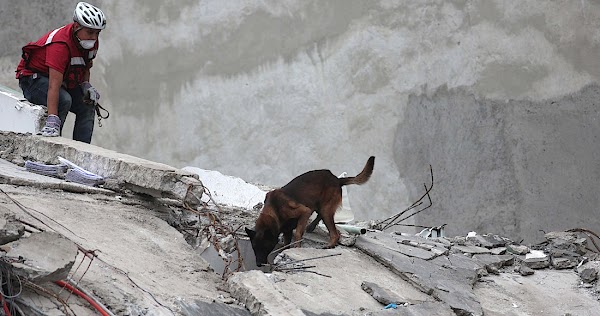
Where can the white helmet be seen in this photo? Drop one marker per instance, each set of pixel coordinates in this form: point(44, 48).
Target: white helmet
point(89, 16)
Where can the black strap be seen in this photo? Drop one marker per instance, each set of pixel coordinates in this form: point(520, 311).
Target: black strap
point(100, 117)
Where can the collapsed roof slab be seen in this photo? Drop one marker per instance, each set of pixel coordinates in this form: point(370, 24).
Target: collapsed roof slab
point(121, 171)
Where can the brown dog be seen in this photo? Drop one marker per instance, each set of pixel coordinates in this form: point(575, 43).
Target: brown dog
point(290, 207)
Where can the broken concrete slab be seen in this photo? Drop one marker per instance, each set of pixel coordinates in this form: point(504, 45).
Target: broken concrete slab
point(424, 309)
point(494, 263)
point(41, 257)
point(588, 275)
point(198, 307)
point(438, 248)
point(381, 294)
point(12, 174)
point(536, 259)
point(564, 262)
point(525, 270)
point(468, 268)
point(517, 249)
point(470, 249)
point(311, 292)
point(547, 292)
point(143, 265)
point(436, 280)
point(486, 241)
point(409, 246)
point(258, 293)
point(10, 228)
point(123, 172)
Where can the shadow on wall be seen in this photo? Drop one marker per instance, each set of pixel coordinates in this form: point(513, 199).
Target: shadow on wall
point(515, 168)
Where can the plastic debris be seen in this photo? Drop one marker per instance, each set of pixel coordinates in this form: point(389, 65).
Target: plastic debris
point(87, 178)
point(57, 171)
point(79, 175)
point(65, 170)
point(391, 306)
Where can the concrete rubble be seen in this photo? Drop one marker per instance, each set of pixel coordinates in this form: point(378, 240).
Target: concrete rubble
point(147, 259)
point(122, 172)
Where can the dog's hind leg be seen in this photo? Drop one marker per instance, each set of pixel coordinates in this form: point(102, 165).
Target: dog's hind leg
point(334, 234)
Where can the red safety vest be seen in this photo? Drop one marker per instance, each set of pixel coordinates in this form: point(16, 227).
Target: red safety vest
point(79, 59)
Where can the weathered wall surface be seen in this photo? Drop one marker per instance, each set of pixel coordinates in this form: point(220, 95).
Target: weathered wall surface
point(495, 95)
point(504, 166)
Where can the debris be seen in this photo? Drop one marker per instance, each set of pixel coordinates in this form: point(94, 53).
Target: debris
point(79, 175)
point(588, 275)
point(57, 171)
point(517, 249)
point(525, 270)
point(398, 219)
point(536, 259)
point(432, 232)
point(380, 294)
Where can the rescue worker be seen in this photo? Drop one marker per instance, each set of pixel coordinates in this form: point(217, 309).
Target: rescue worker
point(55, 71)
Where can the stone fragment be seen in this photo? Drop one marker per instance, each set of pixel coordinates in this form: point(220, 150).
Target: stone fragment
point(555, 252)
point(199, 307)
point(517, 249)
point(588, 275)
point(537, 263)
point(487, 241)
point(41, 257)
point(470, 249)
point(567, 241)
point(525, 271)
point(566, 236)
point(380, 294)
point(498, 250)
point(494, 263)
point(10, 228)
point(564, 262)
point(266, 301)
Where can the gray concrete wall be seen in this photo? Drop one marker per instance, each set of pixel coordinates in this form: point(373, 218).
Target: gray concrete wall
point(266, 90)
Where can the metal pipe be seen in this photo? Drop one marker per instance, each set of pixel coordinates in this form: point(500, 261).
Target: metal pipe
point(352, 229)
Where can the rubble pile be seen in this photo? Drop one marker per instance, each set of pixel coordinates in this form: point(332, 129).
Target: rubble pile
point(449, 268)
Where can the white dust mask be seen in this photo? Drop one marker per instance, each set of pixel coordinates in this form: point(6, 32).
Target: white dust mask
point(87, 44)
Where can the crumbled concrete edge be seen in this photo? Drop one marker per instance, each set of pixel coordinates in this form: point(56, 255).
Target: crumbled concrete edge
point(123, 172)
point(41, 257)
point(257, 293)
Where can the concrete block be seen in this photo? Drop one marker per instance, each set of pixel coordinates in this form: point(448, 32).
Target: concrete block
point(10, 228)
point(256, 291)
point(121, 171)
point(17, 114)
point(46, 257)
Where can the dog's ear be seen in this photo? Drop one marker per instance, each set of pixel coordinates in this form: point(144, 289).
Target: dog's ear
point(250, 233)
point(293, 204)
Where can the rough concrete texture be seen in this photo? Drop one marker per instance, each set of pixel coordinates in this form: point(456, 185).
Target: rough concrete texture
point(224, 85)
point(538, 294)
point(143, 266)
point(516, 168)
point(121, 171)
point(47, 257)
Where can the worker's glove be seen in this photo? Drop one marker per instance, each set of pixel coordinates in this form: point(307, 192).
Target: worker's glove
point(52, 127)
point(90, 94)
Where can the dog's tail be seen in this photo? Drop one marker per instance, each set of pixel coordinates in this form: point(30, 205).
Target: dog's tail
point(363, 176)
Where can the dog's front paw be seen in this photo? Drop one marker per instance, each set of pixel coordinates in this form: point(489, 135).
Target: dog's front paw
point(329, 247)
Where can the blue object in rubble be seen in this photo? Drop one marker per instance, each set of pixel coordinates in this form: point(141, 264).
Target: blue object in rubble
point(392, 305)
